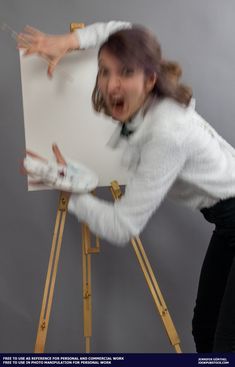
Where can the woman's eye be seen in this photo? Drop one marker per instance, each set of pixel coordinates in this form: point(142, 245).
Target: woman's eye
point(103, 72)
point(127, 71)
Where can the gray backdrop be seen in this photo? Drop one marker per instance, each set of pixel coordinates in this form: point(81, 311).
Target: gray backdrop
point(200, 35)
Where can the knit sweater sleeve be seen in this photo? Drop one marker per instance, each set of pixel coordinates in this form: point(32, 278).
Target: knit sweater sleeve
point(95, 34)
point(160, 162)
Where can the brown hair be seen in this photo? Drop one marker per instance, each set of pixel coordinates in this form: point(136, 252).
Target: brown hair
point(138, 47)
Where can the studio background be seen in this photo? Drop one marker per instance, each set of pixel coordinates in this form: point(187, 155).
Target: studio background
point(200, 36)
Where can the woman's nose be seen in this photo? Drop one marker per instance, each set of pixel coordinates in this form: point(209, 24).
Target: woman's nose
point(114, 83)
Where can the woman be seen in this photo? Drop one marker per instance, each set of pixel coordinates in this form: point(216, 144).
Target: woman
point(170, 150)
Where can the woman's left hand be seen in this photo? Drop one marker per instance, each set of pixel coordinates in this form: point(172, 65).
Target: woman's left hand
point(59, 159)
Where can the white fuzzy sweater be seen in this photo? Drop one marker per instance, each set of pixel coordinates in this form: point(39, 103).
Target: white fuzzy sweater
point(173, 152)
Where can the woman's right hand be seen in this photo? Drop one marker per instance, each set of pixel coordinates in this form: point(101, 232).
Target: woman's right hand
point(50, 47)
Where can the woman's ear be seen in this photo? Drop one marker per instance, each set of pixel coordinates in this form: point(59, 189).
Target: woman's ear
point(150, 82)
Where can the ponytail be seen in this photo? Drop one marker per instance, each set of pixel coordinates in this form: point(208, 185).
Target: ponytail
point(168, 85)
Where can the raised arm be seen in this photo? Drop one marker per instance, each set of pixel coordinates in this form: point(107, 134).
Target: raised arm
point(95, 34)
point(54, 47)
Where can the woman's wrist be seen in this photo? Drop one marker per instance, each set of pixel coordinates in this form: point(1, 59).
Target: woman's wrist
point(72, 40)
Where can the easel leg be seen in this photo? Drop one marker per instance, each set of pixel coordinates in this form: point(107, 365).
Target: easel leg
point(51, 274)
point(86, 271)
point(151, 281)
point(87, 250)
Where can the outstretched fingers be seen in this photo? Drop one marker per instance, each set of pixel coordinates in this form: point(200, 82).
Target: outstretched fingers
point(36, 183)
point(30, 39)
point(34, 155)
point(33, 31)
point(59, 157)
point(24, 40)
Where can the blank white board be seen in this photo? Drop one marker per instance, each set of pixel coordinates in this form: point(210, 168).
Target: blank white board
point(59, 110)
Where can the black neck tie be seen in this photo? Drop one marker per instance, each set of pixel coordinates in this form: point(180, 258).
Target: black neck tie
point(125, 131)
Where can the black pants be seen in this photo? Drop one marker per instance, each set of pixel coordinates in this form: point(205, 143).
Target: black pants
point(214, 313)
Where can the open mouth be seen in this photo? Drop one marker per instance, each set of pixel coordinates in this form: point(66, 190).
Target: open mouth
point(117, 104)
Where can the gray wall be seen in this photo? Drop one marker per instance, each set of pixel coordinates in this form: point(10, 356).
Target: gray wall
point(200, 35)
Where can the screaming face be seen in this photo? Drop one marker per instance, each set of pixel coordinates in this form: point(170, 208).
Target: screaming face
point(124, 89)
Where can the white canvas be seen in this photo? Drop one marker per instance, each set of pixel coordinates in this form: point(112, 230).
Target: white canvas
point(60, 111)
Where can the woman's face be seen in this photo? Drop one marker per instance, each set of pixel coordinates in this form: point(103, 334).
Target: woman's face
point(124, 89)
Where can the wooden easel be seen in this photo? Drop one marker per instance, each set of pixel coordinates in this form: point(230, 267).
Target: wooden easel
point(87, 250)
